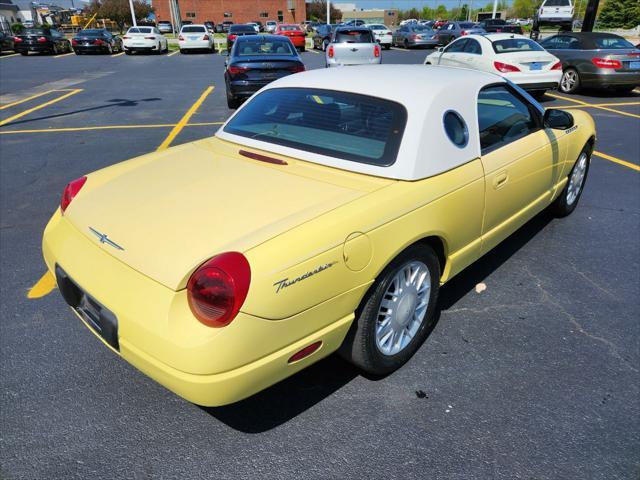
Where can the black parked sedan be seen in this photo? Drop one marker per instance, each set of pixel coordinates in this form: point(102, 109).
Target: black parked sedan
point(43, 40)
point(238, 30)
point(595, 60)
point(97, 41)
point(257, 60)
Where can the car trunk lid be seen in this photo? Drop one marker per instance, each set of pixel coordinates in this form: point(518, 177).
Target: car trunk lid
point(172, 210)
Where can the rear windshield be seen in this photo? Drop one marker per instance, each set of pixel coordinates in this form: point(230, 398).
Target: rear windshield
point(139, 30)
point(557, 3)
point(193, 29)
point(91, 33)
point(247, 48)
point(164, 22)
point(377, 27)
point(241, 29)
point(343, 125)
point(467, 25)
point(290, 28)
point(420, 28)
point(354, 36)
point(35, 31)
point(510, 45)
point(612, 43)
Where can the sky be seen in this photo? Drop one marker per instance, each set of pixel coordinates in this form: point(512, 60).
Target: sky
point(407, 4)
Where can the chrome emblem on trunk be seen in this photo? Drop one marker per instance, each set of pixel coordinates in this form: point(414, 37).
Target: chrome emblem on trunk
point(105, 239)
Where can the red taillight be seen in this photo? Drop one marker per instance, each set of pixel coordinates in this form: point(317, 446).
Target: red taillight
point(414, 36)
point(42, 40)
point(376, 51)
point(99, 42)
point(218, 288)
point(70, 191)
point(206, 37)
point(74, 41)
point(149, 38)
point(606, 63)
point(236, 70)
point(505, 67)
point(296, 68)
point(127, 38)
point(464, 32)
point(17, 39)
point(330, 51)
point(232, 37)
point(305, 352)
point(181, 38)
point(557, 66)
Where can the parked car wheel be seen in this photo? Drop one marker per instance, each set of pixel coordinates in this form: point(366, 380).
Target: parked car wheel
point(624, 90)
point(127, 52)
point(538, 94)
point(570, 81)
point(325, 43)
point(568, 199)
point(397, 314)
point(406, 44)
point(232, 101)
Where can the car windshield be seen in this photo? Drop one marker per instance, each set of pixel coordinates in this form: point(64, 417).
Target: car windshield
point(377, 27)
point(420, 28)
point(193, 29)
point(290, 28)
point(557, 3)
point(353, 36)
point(612, 43)
point(91, 33)
point(241, 29)
point(250, 48)
point(510, 45)
point(139, 30)
point(343, 125)
point(467, 25)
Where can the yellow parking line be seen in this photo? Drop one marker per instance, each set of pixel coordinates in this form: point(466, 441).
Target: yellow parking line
point(630, 165)
point(185, 119)
point(7, 56)
point(173, 53)
point(65, 55)
point(43, 287)
point(117, 55)
point(38, 107)
point(580, 102)
point(311, 50)
point(105, 127)
point(400, 49)
point(9, 105)
point(620, 104)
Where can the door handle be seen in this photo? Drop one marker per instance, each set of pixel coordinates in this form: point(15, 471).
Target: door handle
point(500, 180)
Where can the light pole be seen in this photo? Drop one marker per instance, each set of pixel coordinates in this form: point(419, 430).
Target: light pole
point(328, 11)
point(495, 8)
point(133, 13)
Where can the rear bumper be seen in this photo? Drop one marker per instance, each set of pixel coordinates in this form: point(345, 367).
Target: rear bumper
point(140, 46)
point(157, 333)
point(90, 48)
point(246, 88)
point(555, 20)
point(200, 45)
point(332, 62)
point(536, 81)
point(298, 41)
point(610, 79)
point(43, 47)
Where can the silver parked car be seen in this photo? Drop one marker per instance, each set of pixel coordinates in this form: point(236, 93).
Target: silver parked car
point(452, 30)
point(414, 35)
point(352, 46)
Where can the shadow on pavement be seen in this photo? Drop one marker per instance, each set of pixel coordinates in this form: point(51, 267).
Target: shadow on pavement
point(286, 400)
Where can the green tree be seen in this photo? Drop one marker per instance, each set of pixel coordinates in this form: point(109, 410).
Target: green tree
point(119, 11)
point(523, 8)
point(317, 11)
point(441, 13)
point(620, 14)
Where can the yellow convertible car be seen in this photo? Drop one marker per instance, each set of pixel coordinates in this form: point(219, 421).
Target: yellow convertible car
point(324, 215)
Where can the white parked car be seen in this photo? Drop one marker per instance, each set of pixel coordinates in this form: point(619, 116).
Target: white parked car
point(382, 35)
point(195, 37)
point(556, 13)
point(515, 57)
point(255, 26)
point(144, 39)
point(270, 26)
point(352, 46)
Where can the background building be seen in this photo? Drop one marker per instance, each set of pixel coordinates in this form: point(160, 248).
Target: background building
point(236, 11)
point(387, 17)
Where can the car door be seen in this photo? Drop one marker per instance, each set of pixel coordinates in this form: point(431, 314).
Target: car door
point(451, 55)
point(471, 54)
point(521, 161)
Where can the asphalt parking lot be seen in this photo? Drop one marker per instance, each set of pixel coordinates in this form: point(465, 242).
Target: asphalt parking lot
point(535, 377)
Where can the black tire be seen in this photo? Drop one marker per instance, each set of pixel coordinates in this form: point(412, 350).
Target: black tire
point(406, 44)
point(570, 81)
point(77, 52)
point(565, 204)
point(232, 101)
point(127, 52)
point(360, 346)
point(182, 51)
point(387, 47)
point(538, 94)
point(325, 44)
point(624, 90)
point(303, 49)
point(24, 54)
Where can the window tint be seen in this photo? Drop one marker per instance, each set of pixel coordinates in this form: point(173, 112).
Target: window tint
point(472, 46)
point(456, 129)
point(338, 124)
point(612, 43)
point(510, 45)
point(259, 46)
point(354, 36)
point(457, 46)
point(142, 30)
point(241, 29)
point(290, 28)
point(567, 43)
point(91, 33)
point(503, 118)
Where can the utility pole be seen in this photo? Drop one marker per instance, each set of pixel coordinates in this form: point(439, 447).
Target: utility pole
point(328, 12)
point(133, 13)
point(495, 8)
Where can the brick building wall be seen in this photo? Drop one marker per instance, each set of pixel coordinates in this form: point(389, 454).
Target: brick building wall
point(238, 11)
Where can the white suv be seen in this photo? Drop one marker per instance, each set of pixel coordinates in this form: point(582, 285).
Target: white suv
point(555, 12)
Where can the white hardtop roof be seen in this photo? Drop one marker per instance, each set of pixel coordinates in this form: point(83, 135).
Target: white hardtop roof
point(497, 36)
point(427, 92)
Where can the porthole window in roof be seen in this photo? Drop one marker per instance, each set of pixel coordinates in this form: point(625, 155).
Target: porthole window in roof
point(456, 129)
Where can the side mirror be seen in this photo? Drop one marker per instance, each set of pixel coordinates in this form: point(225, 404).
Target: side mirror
point(558, 119)
point(441, 49)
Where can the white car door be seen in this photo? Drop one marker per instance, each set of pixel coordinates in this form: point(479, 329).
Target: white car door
point(452, 54)
point(471, 55)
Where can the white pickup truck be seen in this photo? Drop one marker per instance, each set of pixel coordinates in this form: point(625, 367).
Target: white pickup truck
point(554, 12)
point(352, 46)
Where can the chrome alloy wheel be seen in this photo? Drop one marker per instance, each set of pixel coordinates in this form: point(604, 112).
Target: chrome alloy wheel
point(403, 308)
point(569, 80)
point(576, 181)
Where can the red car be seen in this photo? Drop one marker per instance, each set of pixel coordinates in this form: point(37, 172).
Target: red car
point(295, 33)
